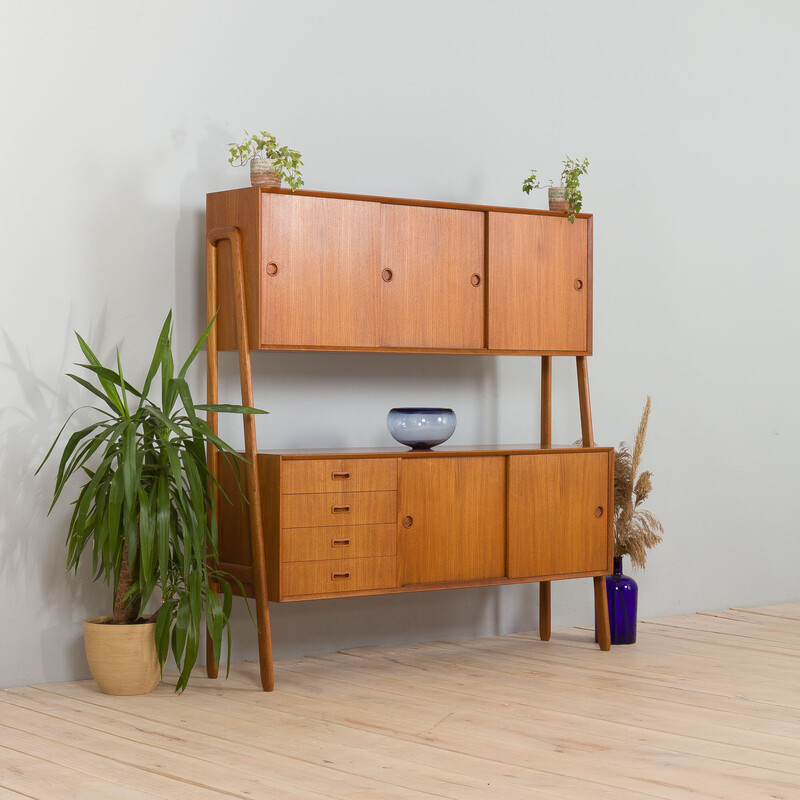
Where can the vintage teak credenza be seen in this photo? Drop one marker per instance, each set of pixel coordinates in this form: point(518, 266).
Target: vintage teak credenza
point(323, 271)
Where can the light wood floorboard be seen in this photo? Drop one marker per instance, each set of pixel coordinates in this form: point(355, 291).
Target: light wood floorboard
point(702, 706)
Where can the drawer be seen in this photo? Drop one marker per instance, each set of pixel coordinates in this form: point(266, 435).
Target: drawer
point(338, 508)
point(340, 541)
point(339, 475)
point(338, 575)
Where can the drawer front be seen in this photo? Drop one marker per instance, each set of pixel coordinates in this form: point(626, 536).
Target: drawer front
point(339, 475)
point(340, 541)
point(338, 575)
point(338, 508)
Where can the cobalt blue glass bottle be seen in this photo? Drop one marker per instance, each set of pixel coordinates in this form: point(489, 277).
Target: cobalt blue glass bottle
point(622, 594)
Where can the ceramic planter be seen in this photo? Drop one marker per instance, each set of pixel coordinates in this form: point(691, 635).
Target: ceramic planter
point(122, 658)
point(556, 196)
point(262, 173)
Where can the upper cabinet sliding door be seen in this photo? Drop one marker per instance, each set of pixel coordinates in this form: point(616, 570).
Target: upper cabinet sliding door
point(432, 278)
point(319, 272)
point(539, 283)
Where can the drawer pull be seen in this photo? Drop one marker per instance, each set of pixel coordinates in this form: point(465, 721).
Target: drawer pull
point(340, 509)
point(272, 269)
point(340, 542)
point(387, 275)
point(598, 512)
point(408, 521)
point(340, 476)
point(340, 576)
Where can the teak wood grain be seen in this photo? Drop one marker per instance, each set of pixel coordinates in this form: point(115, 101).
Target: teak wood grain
point(338, 508)
point(339, 575)
point(452, 514)
point(339, 475)
point(559, 513)
point(338, 541)
point(325, 271)
point(432, 277)
point(239, 209)
point(319, 272)
point(316, 265)
point(538, 283)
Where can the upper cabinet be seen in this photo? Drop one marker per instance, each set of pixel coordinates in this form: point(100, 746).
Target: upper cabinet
point(539, 283)
point(346, 272)
point(432, 277)
point(318, 272)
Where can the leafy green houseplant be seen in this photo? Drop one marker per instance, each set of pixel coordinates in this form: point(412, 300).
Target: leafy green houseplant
point(146, 506)
point(269, 161)
point(567, 195)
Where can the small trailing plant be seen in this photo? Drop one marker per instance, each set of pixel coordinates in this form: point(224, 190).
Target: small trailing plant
point(286, 162)
point(570, 182)
point(146, 504)
point(636, 530)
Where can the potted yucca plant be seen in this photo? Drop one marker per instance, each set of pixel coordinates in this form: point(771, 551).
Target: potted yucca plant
point(146, 510)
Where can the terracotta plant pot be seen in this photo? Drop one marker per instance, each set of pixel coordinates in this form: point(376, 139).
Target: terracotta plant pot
point(262, 173)
point(122, 658)
point(556, 195)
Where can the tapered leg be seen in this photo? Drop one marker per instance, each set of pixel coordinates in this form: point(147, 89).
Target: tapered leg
point(585, 404)
point(251, 445)
point(545, 407)
point(212, 668)
point(544, 611)
point(601, 613)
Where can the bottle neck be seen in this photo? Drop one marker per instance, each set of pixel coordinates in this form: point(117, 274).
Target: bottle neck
point(618, 565)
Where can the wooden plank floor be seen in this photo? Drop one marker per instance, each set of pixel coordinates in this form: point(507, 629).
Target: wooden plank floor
point(706, 705)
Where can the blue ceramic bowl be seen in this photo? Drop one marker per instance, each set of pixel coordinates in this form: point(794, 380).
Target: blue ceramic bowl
point(421, 428)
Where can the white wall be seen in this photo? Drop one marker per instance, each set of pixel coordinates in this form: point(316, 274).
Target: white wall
point(114, 124)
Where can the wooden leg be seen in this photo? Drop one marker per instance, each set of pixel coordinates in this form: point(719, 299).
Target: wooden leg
point(544, 611)
point(601, 613)
point(264, 644)
point(212, 668)
point(545, 441)
point(547, 390)
point(212, 395)
point(583, 399)
point(250, 440)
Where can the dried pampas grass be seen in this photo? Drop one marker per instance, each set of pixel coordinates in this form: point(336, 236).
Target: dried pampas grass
point(635, 530)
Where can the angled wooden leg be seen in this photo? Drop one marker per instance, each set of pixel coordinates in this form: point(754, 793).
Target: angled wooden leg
point(547, 391)
point(212, 395)
point(544, 611)
point(585, 404)
point(601, 613)
point(544, 440)
point(212, 667)
point(600, 597)
point(233, 235)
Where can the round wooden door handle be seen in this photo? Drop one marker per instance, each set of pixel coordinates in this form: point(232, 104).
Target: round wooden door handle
point(578, 284)
point(272, 269)
point(408, 521)
point(387, 275)
point(598, 512)
point(475, 280)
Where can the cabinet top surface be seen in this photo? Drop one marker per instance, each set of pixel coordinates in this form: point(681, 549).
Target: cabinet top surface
point(442, 451)
point(405, 201)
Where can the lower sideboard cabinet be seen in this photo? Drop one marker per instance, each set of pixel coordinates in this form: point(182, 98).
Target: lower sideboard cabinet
point(368, 521)
point(558, 513)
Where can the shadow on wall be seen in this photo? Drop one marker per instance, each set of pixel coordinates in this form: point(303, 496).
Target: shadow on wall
point(342, 399)
point(32, 555)
point(190, 233)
